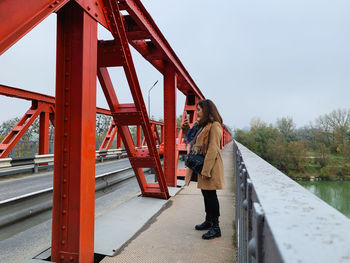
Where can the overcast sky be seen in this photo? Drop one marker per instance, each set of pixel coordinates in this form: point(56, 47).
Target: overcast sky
point(264, 59)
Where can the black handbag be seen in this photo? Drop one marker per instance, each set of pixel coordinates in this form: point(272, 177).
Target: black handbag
point(195, 162)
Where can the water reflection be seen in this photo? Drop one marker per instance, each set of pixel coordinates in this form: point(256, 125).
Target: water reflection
point(335, 193)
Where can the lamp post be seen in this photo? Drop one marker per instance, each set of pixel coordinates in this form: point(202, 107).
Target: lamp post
point(149, 99)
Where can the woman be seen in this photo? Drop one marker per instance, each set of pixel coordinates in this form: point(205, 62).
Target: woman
point(211, 178)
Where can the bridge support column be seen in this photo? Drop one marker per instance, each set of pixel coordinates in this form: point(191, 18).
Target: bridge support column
point(138, 135)
point(44, 126)
point(75, 123)
point(170, 162)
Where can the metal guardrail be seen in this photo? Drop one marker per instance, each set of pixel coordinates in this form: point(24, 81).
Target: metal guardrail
point(278, 220)
point(21, 207)
point(37, 162)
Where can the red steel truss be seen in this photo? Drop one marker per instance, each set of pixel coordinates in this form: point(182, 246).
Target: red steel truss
point(80, 57)
point(43, 106)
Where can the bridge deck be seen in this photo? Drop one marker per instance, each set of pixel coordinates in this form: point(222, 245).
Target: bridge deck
point(171, 236)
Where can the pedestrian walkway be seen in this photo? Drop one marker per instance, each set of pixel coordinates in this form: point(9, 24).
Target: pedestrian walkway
point(171, 237)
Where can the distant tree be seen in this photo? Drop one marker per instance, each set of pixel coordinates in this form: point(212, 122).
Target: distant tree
point(256, 123)
point(103, 123)
point(324, 152)
point(287, 127)
point(296, 156)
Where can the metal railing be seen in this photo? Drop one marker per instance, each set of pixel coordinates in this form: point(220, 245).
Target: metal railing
point(45, 162)
point(30, 204)
point(278, 220)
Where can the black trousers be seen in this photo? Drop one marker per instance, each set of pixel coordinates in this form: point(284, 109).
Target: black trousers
point(211, 203)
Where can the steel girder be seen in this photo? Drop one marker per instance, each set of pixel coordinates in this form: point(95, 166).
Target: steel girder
point(43, 106)
point(75, 134)
point(131, 114)
point(42, 109)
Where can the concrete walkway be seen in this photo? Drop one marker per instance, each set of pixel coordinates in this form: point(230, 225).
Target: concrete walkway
point(171, 237)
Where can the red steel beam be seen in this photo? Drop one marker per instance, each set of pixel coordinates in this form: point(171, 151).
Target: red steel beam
point(141, 16)
point(74, 169)
point(11, 139)
point(170, 161)
point(44, 127)
point(137, 114)
point(139, 27)
point(34, 96)
point(25, 94)
point(18, 17)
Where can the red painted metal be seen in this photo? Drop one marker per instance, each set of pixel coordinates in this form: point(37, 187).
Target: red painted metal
point(132, 114)
point(22, 126)
point(25, 94)
point(34, 96)
point(46, 111)
point(74, 168)
point(21, 17)
point(108, 139)
point(44, 132)
point(141, 21)
point(170, 156)
point(138, 136)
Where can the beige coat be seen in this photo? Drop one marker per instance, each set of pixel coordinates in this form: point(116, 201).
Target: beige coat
point(212, 177)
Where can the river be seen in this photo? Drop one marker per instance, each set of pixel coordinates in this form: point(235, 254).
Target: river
point(335, 193)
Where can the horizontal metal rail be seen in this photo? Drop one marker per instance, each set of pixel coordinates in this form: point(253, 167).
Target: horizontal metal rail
point(21, 207)
point(36, 163)
point(278, 220)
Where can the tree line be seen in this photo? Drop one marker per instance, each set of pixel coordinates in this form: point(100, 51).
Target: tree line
point(319, 150)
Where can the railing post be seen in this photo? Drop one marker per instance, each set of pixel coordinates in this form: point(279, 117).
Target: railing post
point(170, 87)
point(75, 135)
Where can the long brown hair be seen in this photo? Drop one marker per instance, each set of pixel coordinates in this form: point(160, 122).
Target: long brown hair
point(210, 112)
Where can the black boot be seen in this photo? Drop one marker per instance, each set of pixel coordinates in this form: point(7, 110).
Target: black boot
point(205, 225)
point(214, 230)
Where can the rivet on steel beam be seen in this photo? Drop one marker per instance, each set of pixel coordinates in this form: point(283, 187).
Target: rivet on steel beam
point(66, 119)
point(64, 180)
point(63, 227)
point(65, 165)
point(62, 257)
point(88, 8)
point(65, 150)
point(63, 242)
point(64, 212)
point(64, 196)
point(66, 134)
point(96, 15)
point(96, 3)
point(71, 258)
point(51, 6)
point(66, 104)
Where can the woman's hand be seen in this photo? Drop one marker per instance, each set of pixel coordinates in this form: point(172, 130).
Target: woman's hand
point(186, 124)
point(205, 177)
